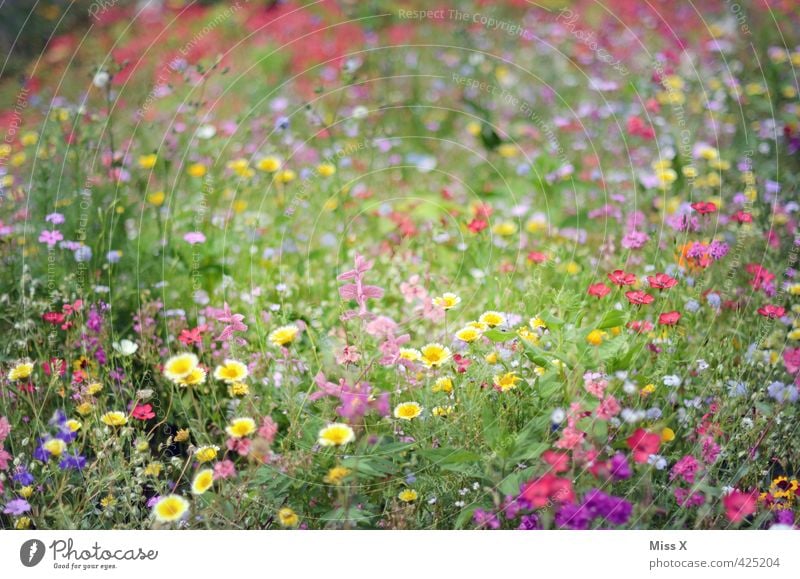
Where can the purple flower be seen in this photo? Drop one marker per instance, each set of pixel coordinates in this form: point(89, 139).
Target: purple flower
point(615, 510)
point(23, 477)
point(17, 507)
point(574, 517)
point(529, 523)
point(72, 462)
point(620, 469)
point(485, 519)
point(55, 218)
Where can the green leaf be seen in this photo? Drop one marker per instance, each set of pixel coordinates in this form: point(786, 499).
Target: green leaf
point(499, 335)
point(612, 319)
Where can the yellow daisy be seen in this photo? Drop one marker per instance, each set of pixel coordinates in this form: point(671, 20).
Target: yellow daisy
point(443, 384)
point(288, 518)
point(269, 164)
point(407, 410)
point(231, 371)
point(170, 508)
point(336, 434)
point(506, 382)
point(434, 355)
point(206, 453)
point(241, 427)
point(336, 475)
point(20, 371)
point(202, 481)
point(410, 354)
point(114, 418)
point(283, 335)
point(492, 319)
point(180, 366)
point(408, 496)
point(447, 301)
point(55, 446)
point(194, 378)
point(468, 334)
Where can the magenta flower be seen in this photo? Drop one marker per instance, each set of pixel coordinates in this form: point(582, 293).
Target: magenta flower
point(358, 291)
point(194, 237)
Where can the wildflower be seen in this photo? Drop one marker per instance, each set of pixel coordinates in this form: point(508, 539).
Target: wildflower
point(771, 311)
point(143, 412)
point(17, 507)
point(114, 418)
point(492, 319)
point(598, 290)
point(639, 298)
point(434, 355)
point(621, 278)
point(468, 334)
point(336, 475)
point(241, 427)
point(407, 410)
point(231, 371)
point(506, 382)
point(125, 347)
point(288, 518)
point(669, 318)
point(170, 508)
point(661, 281)
point(285, 176)
point(153, 469)
point(54, 446)
point(595, 337)
point(269, 164)
point(194, 237)
point(408, 495)
point(148, 161)
point(326, 169)
point(643, 444)
point(410, 354)
point(206, 453)
point(238, 389)
point(202, 481)
point(196, 170)
point(447, 301)
point(20, 371)
point(739, 505)
point(443, 384)
point(195, 377)
point(180, 366)
point(283, 335)
point(336, 434)
point(442, 411)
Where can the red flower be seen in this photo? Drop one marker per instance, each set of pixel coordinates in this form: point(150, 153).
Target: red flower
point(661, 281)
point(546, 488)
point(477, 225)
point(771, 311)
point(537, 257)
point(742, 217)
point(643, 444)
point(639, 298)
point(704, 207)
point(669, 318)
point(738, 505)
point(620, 278)
point(193, 336)
point(558, 461)
point(54, 318)
point(143, 412)
point(598, 290)
point(462, 363)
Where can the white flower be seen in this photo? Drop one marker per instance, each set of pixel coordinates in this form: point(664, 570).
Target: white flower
point(658, 461)
point(558, 416)
point(672, 380)
point(101, 79)
point(206, 132)
point(126, 347)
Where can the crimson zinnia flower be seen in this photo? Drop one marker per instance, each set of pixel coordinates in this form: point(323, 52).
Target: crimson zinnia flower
point(661, 281)
point(639, 298)
point(669, 318)
point(771, 311)
point(621, 278)
point(598, 290)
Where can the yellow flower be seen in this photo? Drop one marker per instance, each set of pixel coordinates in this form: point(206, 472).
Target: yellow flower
point(408, 496)
point(283, 335)
point(649, 389)
point(595, 337)
point(326, 169)
point(410, 354)
point(241, 427)
point(666, 177)
point(474, 128)
point(94, 388)
point(29, 138)
point(23, 523)
point(492, 319)
point(507, 150)
point(202, 481)
point(196, 170)
point(55, 446)
point(182, 435)
point(153, 469)
point(506, 382)
point(238, 389)
point(443, 384)
point(241, 167)
point(108, 501)
point(407, 410)
point(794, 334)
point(84, 408)
point(442, 411)
point(180, 366)
point(530, 337)
point(20, 371)
point(206, 453)
point(336, 475)
point(491, 358)
point(468, 334)
point(26, 492)
point(286, 176)
point(269, 164)
point(148, 161)
point(194, 378)
point(336, 434)
point(447, 301)
point(157, 198)
point(114, 418)
point(434, 355)
point(505, 228)
point(231, 371)
point(287, 517)
point(667, 435)
point(536, 323)
point(170, 508)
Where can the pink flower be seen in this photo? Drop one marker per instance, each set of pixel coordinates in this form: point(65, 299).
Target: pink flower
point(791, 359)
point(609, 408)
point(239, 445)
point(224, 469)
point(738, 505)
point(349, 355)
point(643, 444)
point(233, 322)
point(194, 237)
point(5, 457)
point(268, 429)
point(143, 412)
point(594, 384)
point(634, 240)
point(685, 469)
point(50, 237)
point(5, 428)
point(357, 291)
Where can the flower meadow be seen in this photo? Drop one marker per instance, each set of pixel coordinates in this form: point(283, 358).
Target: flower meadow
point(390, 265)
